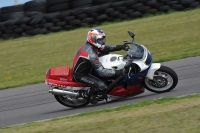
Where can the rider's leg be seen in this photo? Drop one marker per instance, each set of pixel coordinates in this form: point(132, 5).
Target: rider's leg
point(97, 85)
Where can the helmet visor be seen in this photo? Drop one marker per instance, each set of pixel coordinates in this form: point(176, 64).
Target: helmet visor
point(101, 41)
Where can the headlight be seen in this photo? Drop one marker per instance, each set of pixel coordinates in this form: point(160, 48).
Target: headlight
point(112, 59)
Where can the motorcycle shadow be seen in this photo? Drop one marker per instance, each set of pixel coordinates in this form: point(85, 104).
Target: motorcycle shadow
point(137, 98)
point(110, 104)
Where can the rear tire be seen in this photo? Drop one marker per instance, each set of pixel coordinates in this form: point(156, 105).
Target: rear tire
point(74, 104)
point(165, 79)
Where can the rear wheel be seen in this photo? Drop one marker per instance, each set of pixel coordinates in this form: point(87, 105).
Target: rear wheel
point(71, 102)
point(164, 80)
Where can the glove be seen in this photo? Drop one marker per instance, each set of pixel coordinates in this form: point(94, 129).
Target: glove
point(122, 72)
point(120, 47)
point(125, 47)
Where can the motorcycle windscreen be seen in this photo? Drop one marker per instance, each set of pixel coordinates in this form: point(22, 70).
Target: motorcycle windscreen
point(135, 51)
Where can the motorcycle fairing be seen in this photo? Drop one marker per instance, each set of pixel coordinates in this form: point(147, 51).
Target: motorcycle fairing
point(128, 91)
point(134, 78)
point(130, 86)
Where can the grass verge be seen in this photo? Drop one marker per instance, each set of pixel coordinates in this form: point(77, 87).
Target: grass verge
point(168, 37)
point(167, 115)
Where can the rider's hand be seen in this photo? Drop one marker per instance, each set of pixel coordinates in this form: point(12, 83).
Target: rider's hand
point(124, 71)
point(125, 47)
point(121, 72)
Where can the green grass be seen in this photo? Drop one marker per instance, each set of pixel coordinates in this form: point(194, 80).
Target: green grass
point(167, 115)
point(25, 60)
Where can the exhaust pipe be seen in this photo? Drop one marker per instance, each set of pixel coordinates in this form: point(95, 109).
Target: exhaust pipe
point(63, 92)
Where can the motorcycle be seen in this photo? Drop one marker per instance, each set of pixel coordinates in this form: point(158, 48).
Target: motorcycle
point(142, 74)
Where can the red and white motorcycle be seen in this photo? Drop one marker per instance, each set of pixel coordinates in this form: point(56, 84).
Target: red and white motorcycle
point(143, 74)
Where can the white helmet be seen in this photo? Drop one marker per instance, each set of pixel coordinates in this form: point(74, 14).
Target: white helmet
point(96, 37)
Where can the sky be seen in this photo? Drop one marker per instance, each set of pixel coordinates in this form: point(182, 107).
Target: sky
point(4, 3)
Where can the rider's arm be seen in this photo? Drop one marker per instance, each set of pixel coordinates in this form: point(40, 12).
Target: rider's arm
point(94, 59)
point(107, 48)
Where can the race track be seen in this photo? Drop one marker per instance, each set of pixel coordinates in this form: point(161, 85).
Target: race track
point(34, 103)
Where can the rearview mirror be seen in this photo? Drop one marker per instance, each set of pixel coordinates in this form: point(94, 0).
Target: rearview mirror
point(131, 34)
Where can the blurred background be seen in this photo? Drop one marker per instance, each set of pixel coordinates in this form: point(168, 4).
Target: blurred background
point(21, 18)
point(4, 3)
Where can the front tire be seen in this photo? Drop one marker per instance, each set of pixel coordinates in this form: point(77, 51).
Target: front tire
point(164, 80)
point(74, 103)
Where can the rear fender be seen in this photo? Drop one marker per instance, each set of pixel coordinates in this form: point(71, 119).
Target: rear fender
point(152, 69)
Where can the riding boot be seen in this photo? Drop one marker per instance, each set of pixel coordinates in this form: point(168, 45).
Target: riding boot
point(102, 95)
point(92, 96)
point(89, 95)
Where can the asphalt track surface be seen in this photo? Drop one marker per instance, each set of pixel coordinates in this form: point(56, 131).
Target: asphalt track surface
point(34, 103)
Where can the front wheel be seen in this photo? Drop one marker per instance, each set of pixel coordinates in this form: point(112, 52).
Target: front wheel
point(164, 80)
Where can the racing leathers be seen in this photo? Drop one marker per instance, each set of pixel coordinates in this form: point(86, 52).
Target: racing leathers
point(87, 59)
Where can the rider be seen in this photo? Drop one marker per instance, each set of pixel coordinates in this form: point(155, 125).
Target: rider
point(87, 59)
